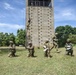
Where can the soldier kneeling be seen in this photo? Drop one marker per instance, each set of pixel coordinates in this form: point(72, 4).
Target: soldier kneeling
point(12, 49)
point(69, 47)
point(31, 50)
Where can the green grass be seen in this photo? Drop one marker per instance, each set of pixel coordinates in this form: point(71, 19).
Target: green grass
point(59, 64)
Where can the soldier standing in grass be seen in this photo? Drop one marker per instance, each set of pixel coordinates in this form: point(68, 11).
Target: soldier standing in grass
point(30, 48)
point(12, 49)
point(55, 43)
point(69, 47)
point(46, 49)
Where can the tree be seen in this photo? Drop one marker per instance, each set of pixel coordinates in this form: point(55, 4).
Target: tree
point(74, 30)
point(6, 39)
point(1, 38)
point(20, 38)
point(72, 37)
point(63, 34)
point(68, 30)
point(60, 29)
point(12, 37)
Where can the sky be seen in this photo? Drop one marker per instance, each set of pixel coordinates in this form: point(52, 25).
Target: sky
point(12, 14)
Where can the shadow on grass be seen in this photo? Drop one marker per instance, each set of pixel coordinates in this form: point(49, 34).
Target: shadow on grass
point(5, 51)
point(70, 55)
point(32, 56)
point(13, 56)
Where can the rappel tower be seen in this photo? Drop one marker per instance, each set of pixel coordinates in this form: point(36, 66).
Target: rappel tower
point(39, 21)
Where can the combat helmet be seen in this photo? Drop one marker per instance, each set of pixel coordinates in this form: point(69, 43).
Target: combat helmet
point(10, 42)
point(46, 41)
point(68, 40)
point(30, 43)
point(56, 33)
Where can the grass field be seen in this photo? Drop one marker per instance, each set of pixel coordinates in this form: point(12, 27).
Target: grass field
point(59, 64)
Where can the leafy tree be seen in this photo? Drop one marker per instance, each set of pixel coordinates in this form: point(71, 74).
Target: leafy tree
point(5, 38)
point(12, 37)
point(1, 38)
point(60, 29)
point(74, 30)
point(72, 37)
point(68, 30)
point(63, 34)
point(20, 38)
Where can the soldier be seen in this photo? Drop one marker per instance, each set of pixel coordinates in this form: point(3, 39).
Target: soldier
point(28, 23)
point(69, 47)
point(55, 42)
point(46, 49)
point(31, 50)
point(12, 49)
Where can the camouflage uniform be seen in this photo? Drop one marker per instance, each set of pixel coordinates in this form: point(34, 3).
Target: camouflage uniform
point(31, 50)
point(69, 48)
point(46, 49)
point(12, 49)
point(55, 43)
point(28, 23)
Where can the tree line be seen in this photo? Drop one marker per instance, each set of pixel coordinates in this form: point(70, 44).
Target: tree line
point(64, 33)
point(19, 39)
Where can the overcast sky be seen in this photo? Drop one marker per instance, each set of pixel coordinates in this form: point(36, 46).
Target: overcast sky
point(12, 14)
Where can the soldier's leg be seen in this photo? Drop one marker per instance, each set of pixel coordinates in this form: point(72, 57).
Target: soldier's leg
point(71, 52)
point(29, 53)
point(32, 53)
point(52, 47)
point(45, 53)
point(10, 54)
point(67, 52)
point(56, 46)
point(13, 52)
point(48, 53)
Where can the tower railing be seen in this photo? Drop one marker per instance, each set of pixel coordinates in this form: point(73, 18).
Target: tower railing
point(39, 3)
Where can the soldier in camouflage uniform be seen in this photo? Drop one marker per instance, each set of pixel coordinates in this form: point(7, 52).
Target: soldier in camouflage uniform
point(12, 49)
point(30, 48)
point(55, 42)
point(69, 47)
point(28, 23)
point(46, 49)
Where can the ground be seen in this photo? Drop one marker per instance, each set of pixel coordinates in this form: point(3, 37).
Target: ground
point(59, 64)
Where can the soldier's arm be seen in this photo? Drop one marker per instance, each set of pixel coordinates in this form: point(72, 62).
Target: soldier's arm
point(28, 47)
point(71, 46)
point(10, 47)
point(32, 47)
point(14, 47)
